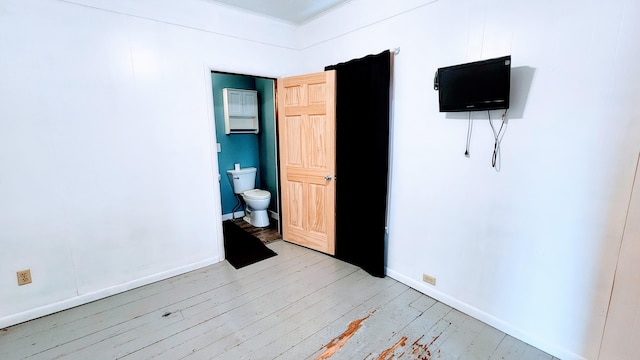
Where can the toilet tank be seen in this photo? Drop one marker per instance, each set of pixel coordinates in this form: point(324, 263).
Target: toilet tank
point(243, 179)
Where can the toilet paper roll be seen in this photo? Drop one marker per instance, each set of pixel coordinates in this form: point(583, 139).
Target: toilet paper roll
point(236, 166)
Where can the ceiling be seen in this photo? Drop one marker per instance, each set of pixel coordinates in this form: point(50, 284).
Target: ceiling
point(293, 11)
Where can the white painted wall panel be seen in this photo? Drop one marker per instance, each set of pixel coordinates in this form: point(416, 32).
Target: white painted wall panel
point(108, 177)
point(529, 249)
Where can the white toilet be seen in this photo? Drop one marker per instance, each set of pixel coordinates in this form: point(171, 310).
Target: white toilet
point(243, 182)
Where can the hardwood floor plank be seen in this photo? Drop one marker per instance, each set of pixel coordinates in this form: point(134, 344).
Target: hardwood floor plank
point(265, 234)
point(192, 293)
point(294, 340)
point(289, 319)
point(93, 317)
point(259, 303)
point(317, 301)
point(423, 303)
point(511, 348)
point(454, 346)
point(300, 304)
point(97, 327)
point(266, 306)
point(312, 336)
point(424, 341)
point(37, 328)
point(483, 345)
point(205, 305)
point(381, 325)
point(87, 323)
point(407, 336)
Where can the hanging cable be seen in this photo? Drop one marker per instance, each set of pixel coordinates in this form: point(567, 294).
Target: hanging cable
point(495, 159)
point(238, 205)
point(469, 131)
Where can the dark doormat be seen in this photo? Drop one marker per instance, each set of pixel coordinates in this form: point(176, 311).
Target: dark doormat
point(241, 248)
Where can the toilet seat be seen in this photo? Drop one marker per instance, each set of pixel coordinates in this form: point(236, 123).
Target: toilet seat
point(256, 194)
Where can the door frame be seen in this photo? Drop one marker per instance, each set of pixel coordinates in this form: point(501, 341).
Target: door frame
point(215, 167)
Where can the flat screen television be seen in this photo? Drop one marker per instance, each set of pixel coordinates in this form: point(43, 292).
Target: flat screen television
point(474, 86)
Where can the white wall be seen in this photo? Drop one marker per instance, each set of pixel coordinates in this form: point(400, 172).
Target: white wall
point(530, 249)
point(107, 175)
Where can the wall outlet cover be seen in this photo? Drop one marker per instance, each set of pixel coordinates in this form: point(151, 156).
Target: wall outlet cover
point(24, 277)
point(429, 279)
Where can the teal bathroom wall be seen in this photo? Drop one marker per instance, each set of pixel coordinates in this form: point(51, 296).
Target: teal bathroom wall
point(267, 139)
point(249, 150)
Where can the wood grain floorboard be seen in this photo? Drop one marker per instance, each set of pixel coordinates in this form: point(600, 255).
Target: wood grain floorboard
point(301, 304)
point(265, 234)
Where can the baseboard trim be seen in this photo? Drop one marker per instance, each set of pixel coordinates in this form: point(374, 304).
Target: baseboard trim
point(18, 318)
point(489, 319)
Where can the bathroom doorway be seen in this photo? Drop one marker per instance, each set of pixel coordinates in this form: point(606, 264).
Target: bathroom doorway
point(247, 149)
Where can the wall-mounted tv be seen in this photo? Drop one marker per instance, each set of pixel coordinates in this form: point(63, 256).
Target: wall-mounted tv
point(480, 85)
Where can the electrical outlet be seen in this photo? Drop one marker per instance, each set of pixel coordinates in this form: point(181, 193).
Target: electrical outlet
point(429, 279)
point(24, 277)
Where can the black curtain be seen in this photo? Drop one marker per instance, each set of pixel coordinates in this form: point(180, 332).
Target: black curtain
point(362, 159)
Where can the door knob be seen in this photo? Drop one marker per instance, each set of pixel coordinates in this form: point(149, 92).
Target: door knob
point(328, 178)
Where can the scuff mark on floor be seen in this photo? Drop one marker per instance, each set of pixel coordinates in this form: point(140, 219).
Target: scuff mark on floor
point(338, 342)
point(384, 354)
point(419, 351)
point(422, 351)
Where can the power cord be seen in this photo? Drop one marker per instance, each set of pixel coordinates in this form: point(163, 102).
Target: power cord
point(238, 205)
point(469, 131)
point(495, 159)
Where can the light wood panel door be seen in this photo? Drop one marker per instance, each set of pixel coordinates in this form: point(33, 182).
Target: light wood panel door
point(622, 329)
point(306, 136)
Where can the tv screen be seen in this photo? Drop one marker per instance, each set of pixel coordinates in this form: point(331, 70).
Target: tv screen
point(480, 85)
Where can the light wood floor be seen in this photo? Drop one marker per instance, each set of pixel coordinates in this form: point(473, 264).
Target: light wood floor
point(300, 304)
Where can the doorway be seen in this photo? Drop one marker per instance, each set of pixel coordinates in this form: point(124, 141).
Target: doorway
point(366, 251)
point(248, 150)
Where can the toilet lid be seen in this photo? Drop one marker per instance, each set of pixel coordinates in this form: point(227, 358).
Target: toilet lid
point(256, 194)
